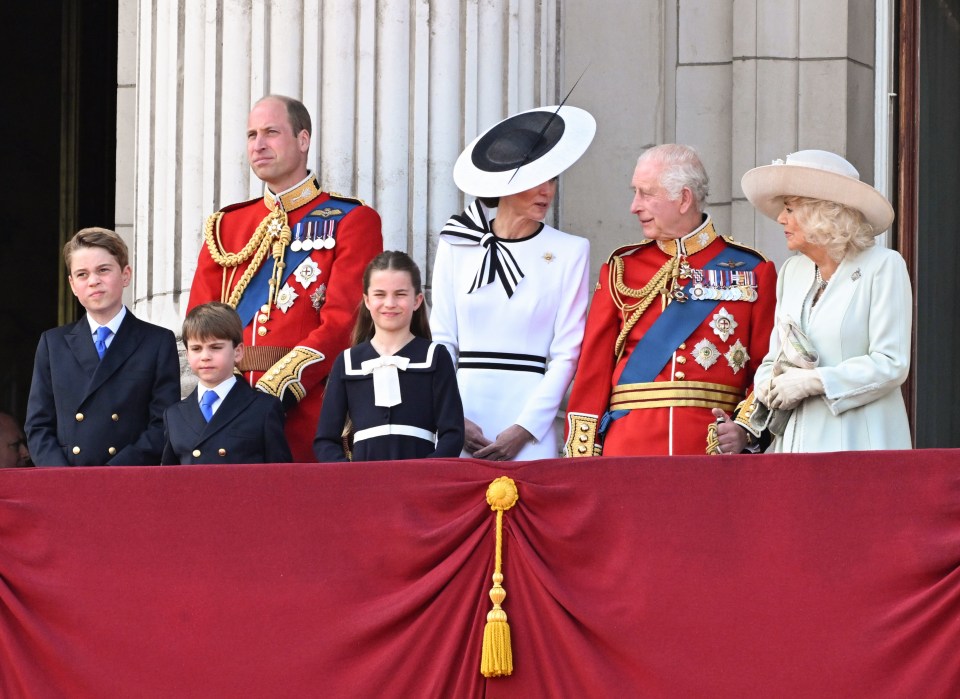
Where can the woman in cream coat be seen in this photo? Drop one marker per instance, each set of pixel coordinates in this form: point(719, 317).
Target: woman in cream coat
point(851, 299)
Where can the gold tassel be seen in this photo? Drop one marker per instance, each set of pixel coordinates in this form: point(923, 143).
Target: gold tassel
point(497, 657)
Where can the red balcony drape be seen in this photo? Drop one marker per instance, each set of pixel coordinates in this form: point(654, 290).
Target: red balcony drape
point(793, 576)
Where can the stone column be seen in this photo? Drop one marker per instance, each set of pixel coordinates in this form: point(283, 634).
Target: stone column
point(803, 77)
point(395, 89)
point(743, 82)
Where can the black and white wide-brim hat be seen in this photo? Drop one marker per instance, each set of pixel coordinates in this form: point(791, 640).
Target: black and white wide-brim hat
point(817, 174)
point(541, 142)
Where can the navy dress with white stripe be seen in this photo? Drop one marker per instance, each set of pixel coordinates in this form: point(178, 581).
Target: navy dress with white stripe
point(428, 421)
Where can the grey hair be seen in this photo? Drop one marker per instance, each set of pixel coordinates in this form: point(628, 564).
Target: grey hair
point(681, 168)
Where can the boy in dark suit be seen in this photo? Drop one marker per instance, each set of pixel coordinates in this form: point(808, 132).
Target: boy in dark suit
point(223, 421)
point(100, 385)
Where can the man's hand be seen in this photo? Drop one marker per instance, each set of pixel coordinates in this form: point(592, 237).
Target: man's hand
point(731, 436)
point(506, 446)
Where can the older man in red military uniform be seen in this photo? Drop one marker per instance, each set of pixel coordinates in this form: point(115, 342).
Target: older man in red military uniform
point(291, 263)
point(677, 326)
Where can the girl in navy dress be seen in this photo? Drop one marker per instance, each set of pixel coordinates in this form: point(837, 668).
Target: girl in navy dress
point(396, 386)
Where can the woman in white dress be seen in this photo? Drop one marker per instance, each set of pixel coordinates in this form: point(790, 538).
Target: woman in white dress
point(850, 299)
point(509, 291)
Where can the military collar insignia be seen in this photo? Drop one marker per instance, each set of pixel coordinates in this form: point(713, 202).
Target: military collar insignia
point(299, 195)
point(692, 242)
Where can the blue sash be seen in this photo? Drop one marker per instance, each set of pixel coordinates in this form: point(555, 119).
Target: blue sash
point(256, 291)
point(675, 324)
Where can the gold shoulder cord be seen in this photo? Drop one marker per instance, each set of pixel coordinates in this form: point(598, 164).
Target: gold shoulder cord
point(273, 231)
point(632, 312)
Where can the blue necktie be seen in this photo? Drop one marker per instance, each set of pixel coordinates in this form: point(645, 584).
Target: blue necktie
point(103, 332)
point(206, 404)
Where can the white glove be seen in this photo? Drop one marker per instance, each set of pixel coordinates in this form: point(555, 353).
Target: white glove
point(792, 386)
point(761, 392)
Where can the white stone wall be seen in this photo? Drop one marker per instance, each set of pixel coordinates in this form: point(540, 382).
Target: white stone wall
point(397, 87)
point(744, 82)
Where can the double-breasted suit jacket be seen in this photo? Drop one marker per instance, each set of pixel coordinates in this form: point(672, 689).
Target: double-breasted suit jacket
point(246, 429)
point(84, 411)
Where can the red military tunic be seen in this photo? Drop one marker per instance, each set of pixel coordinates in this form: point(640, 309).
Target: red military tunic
point(712, 367)
point(292, 345)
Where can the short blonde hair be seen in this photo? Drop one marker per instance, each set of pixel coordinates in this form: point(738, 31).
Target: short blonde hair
point(839, 229)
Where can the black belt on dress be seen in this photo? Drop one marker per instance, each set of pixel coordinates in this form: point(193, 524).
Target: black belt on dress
point(503, 361)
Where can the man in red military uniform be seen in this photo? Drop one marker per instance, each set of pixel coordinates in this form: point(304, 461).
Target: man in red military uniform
point(291, 263)
point(678, 325)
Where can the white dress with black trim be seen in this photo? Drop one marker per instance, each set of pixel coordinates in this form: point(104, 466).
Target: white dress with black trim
point(427, 422)
point(516, 355)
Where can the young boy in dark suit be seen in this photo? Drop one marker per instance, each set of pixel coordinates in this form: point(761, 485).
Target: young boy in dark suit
point(100, 385)
point(223, 421)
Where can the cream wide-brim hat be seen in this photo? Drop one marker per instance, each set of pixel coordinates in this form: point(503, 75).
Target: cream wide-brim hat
point(817, 174)
point(541, 142)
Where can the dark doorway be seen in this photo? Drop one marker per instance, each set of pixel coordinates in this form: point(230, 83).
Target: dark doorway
point(929, 136)
point(59, 163)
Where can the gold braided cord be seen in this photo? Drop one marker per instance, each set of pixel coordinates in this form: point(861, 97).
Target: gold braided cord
point(261, 243)
point(654, 286)
point(211, 232)
point(651, 290)
point(248, 273)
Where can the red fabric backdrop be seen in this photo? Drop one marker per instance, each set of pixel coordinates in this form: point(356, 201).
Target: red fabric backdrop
point(789, 576)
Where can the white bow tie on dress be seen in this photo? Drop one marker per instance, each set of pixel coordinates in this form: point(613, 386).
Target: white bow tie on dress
point(386, 380)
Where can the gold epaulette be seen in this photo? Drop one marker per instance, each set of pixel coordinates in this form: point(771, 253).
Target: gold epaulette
point(741, 246)
point(286, 374)
point(582, 439)
point(344, 197)
point(240, 205)
point(627, 249)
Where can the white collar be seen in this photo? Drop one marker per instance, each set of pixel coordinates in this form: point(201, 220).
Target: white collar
point(221, 389)
point(113, 323)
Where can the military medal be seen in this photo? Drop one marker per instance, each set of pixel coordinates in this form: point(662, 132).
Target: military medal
point(319, 297)
point(308, 237)
point(286, 297)
point(723, 324)
point(307, 272)
point(737, 356)
point(328, 240)
point(297, 244)
point(705, 353)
